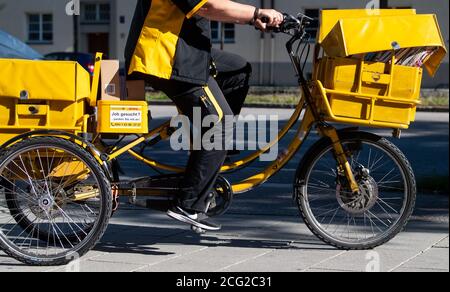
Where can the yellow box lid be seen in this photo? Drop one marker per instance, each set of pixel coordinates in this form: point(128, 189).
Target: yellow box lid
point(45, 80)
point(359, 35)
point(329, 18)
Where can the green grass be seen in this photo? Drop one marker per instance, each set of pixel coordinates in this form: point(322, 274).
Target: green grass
point(435, 101)
point(157, 96)
point(280, 99)
point(291, 99)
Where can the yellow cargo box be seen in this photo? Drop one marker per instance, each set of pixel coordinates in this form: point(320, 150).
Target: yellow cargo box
point(43, 80)
point(370, 71)
point(122, 117)
point(41, 95)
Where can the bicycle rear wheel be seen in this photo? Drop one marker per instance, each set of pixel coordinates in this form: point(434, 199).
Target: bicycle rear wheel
point(55, 201)
point(365, 220)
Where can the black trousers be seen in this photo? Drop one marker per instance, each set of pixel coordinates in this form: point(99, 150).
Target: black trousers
point(229, 90)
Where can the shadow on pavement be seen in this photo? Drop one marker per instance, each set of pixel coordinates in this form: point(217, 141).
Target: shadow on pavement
point(135, 241)
point(243, 227)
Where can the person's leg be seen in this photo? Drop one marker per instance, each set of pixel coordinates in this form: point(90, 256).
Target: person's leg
point(233, 77)
point(203, 166)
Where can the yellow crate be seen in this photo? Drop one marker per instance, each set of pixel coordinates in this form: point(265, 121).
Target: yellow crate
point(17, 117)
point(355, 75)
point(122, 117)
point(350, 90)
point(367, 93)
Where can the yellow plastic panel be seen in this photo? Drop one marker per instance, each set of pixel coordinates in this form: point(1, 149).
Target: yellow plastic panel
point(392, 113)
point(17, 117)
point(43, 80)
point(353, 36)
point(343, 74)
point(350, 107)
point(32, 110)
point(367, 93)
point(329, 18)
point(122, 117)
point(95, 80)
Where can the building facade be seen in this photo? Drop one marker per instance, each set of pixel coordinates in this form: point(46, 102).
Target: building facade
point(103, 26)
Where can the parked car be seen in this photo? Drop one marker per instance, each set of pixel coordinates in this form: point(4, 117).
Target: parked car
point(85, 60)
point(12, 48)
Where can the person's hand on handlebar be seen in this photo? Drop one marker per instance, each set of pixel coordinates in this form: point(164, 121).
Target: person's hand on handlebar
point(233, 12)
point(268, 18)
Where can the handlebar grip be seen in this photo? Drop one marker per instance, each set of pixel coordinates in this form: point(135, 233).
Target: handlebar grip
point(269, 28)
point(265, 19)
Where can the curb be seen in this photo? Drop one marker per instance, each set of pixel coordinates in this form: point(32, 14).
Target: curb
point(432, 109)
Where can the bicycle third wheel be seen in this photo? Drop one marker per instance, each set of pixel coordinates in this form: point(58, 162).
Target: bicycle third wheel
point(365, 220)
point(55, 201)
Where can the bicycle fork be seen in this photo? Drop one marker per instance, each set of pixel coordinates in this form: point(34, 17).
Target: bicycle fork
point(341, 157)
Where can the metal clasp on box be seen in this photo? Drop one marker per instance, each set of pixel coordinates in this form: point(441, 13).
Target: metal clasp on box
point(24, 95)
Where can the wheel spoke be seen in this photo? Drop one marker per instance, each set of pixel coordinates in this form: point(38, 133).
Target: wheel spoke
point(353, 218)
point(37, 215)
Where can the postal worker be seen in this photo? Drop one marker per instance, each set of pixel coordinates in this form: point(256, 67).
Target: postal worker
point(169, 46)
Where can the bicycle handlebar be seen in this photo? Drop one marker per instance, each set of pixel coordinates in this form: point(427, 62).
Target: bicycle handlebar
point(295, 26)
point(291, 25)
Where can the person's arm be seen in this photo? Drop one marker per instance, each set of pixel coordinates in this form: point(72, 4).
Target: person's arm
point(233, 12)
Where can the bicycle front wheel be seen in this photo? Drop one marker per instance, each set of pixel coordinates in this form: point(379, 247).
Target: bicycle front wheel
point(383, 205)
point(55, 201)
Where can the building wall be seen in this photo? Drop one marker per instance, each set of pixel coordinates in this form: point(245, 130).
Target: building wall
point(125, 9)
point(268, 55)
point(13, 19)
point(280, 72)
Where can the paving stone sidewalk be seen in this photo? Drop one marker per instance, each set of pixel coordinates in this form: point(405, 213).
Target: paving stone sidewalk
point(145, 241)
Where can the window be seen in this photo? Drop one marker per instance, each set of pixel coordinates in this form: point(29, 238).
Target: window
point(96, 13)
point(40, 28)
point(228, 30)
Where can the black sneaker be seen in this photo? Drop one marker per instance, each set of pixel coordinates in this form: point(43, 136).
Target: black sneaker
point(195, 219)
point(205, 220)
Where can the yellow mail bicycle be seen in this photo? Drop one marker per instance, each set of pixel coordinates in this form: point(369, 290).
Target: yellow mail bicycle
point(355, 190)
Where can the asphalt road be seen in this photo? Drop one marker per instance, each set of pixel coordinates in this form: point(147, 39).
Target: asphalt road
point(262, 231)
point(425, 144)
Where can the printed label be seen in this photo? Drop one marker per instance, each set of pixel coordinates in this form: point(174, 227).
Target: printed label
point(128, 117)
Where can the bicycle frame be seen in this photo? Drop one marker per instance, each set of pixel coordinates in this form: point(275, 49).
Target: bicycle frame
point(305, 112)
point(247, 184)
point(65, 177)
point(310, 118)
